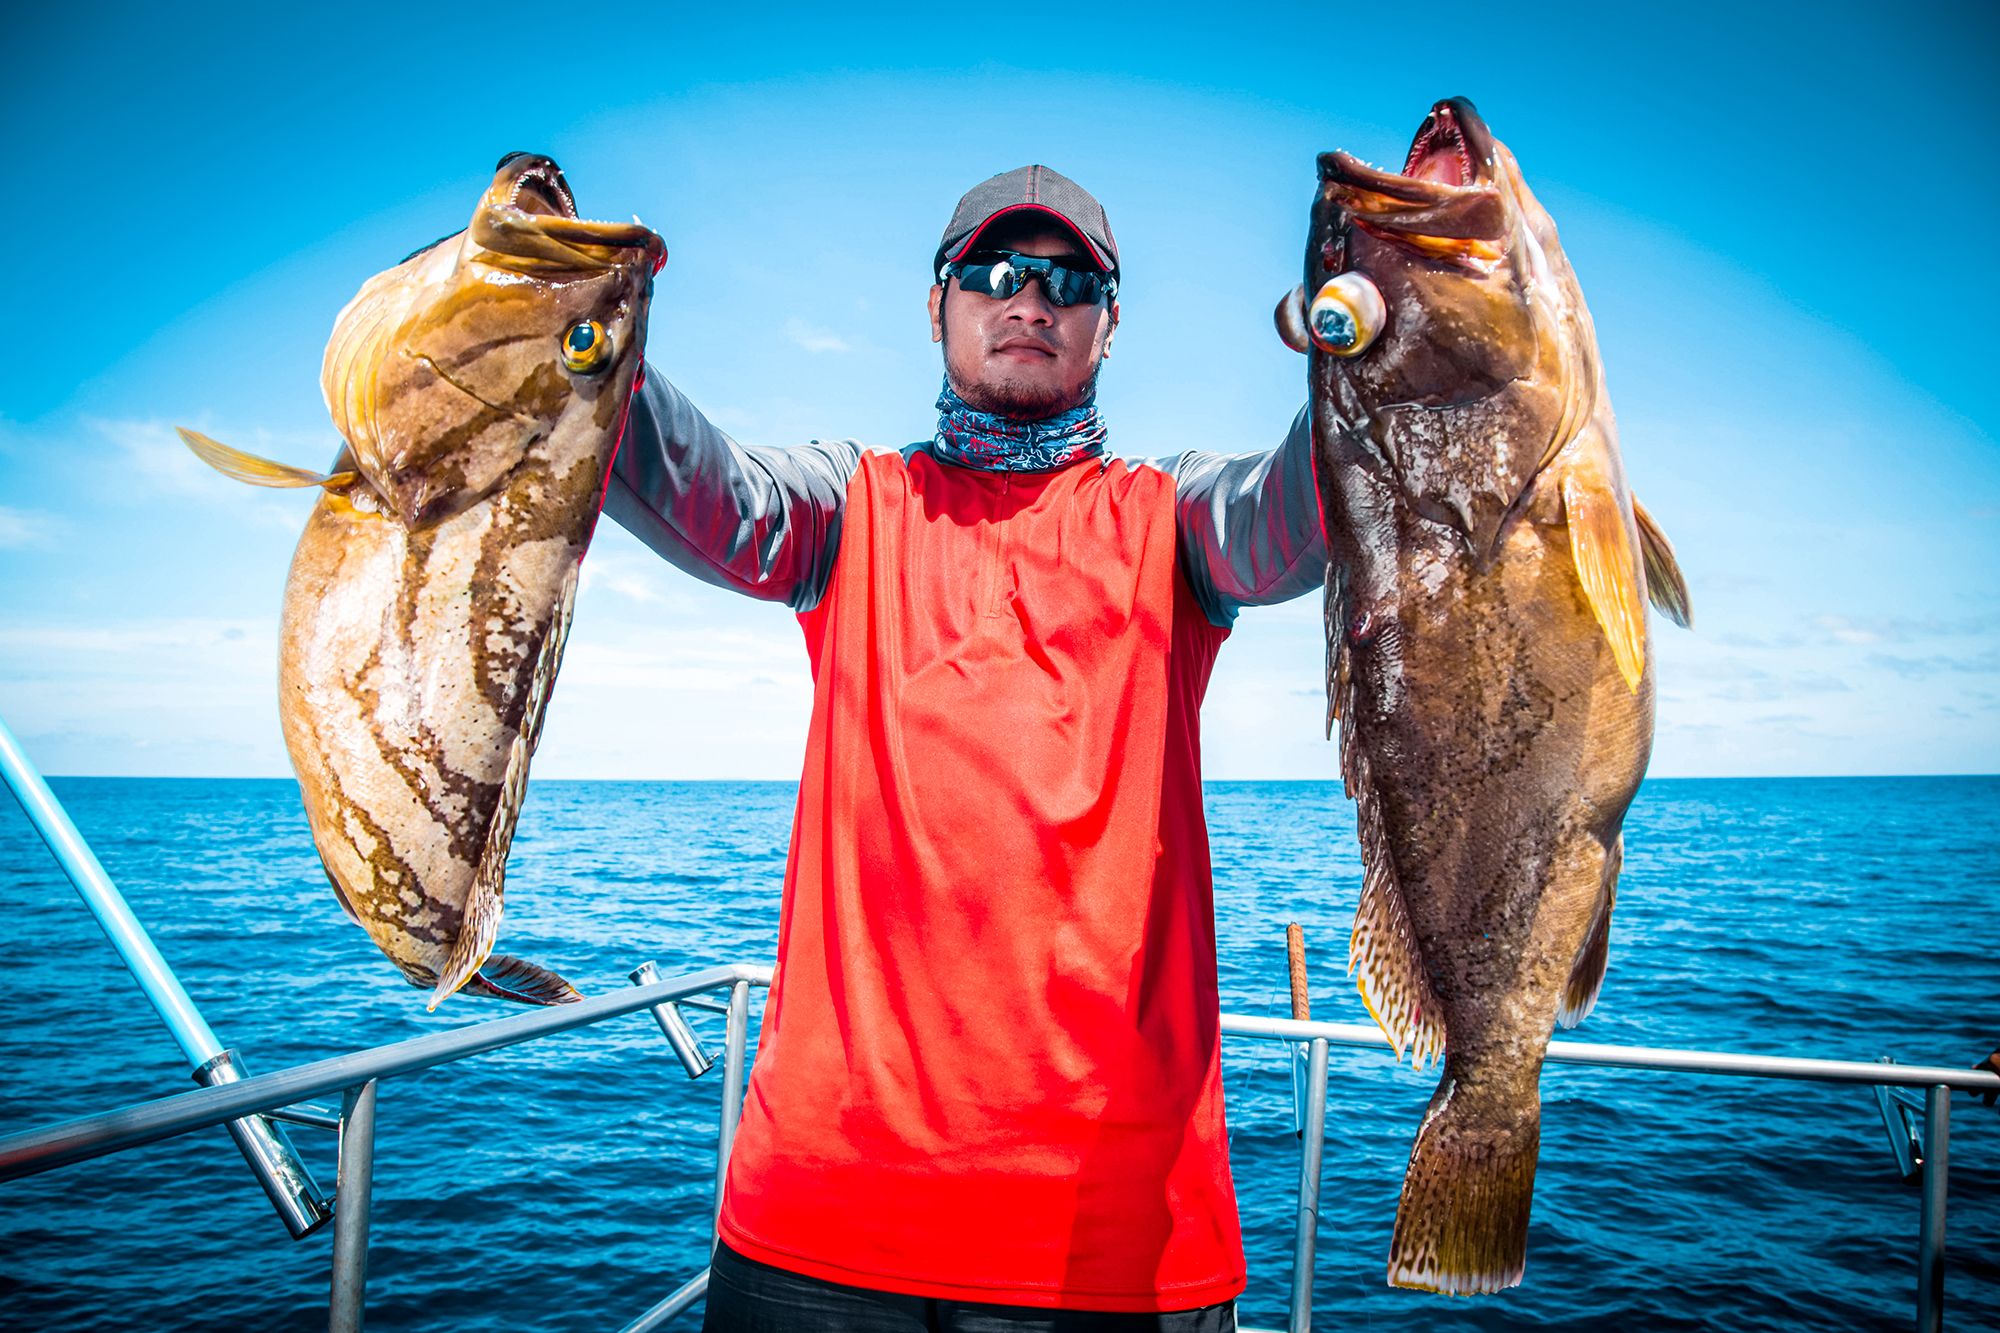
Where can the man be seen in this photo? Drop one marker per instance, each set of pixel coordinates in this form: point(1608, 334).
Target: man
point(988, 1090)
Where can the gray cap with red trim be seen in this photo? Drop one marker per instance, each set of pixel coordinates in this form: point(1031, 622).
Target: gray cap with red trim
point(1028, 189)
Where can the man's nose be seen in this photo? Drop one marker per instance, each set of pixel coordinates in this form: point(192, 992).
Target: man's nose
point(1032, 303)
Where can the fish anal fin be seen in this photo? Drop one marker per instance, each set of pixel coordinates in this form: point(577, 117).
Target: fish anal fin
point(1664, 584)
point(505, 977)
point(483, 903)
point(255, 471)
point(1586, 977)
point(1462, 1221)
point(1606, 565)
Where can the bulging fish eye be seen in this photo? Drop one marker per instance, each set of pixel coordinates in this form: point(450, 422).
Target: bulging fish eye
point(586, 348)
point(1347, 315)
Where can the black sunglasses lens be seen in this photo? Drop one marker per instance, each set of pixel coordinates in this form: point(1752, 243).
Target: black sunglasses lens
point(997, 280)
point(1002, 276)
point(1068, 287)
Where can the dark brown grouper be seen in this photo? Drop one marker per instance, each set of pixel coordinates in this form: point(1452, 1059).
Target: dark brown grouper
point(481, 386)
point(1487, 654)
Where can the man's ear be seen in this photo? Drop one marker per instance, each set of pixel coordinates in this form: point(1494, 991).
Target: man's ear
point(1113, 330)
point(937, 312)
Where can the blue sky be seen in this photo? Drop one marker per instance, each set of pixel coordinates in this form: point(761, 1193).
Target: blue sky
point(1783, 218)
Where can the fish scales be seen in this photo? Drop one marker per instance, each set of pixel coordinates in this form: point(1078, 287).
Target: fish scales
point(1487, 662)
point(481, 388)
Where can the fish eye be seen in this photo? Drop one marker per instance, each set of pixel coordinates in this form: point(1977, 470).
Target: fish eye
point(1347, 315)
point(586, 348)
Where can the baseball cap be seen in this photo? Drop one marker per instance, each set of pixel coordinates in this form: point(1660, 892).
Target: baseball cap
point(1035, 189)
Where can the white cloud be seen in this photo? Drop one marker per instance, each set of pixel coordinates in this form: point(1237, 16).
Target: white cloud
point(813, 338)
point(150, 452)
point(645, 580)
point(1846, 631)
point(139, 650)
point(23, 527)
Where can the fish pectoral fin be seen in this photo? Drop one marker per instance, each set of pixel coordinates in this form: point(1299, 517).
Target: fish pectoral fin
point(1586, 977)
point(255, 471)
point(505, 977)
point(483, 904)
point(1664, 585)
point(1600, 544)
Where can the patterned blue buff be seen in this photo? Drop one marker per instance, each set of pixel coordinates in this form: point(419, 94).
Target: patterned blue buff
point(971, 438)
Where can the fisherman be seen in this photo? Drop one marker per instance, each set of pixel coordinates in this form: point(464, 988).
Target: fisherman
point(988, 1090)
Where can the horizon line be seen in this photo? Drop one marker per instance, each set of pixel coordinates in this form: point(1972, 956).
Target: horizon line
point(1332, 778)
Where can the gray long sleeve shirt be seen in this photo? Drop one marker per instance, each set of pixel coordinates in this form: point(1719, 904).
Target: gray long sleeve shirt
point(766, 522)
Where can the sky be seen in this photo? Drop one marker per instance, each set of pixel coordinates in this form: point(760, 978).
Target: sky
point(1783, 218)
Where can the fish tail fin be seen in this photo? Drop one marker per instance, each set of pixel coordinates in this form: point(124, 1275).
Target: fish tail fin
point(1665, 586)
point(1462, 1223)
point(1586, 978)
point(505, 977)
point(252, 470)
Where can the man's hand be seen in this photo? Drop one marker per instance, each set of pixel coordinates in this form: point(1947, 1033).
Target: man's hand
point(1991, 1064)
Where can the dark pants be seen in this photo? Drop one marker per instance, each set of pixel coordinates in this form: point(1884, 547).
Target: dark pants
point(745, 1296)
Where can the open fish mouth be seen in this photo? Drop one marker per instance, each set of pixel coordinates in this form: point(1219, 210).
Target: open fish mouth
point(1451, 147)
point(1445, 202)
point(528, 221)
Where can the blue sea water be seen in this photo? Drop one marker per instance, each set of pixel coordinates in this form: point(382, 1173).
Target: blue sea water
point(566, 1184)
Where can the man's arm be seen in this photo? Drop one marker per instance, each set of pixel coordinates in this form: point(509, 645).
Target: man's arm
point(765, 522)
point(1249, 525)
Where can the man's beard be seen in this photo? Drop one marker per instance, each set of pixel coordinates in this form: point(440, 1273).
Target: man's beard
point(1007, 397)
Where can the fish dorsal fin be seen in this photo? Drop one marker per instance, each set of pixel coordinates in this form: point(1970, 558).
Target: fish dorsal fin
point(1664, 584)
point(1586, 977)
point(255, 471)
point(483, 903)
point(1383, 956)
point(1336, 645)
point(340, 894)
point(1600, 542)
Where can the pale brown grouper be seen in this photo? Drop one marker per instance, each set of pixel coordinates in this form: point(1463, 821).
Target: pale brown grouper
point(1487, 650)
point(481, 386)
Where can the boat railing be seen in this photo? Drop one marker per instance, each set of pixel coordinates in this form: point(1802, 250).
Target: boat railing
point(287, 1093)
point(251, 1107)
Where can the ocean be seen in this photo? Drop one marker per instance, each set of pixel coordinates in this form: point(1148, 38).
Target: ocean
point(565, 1185)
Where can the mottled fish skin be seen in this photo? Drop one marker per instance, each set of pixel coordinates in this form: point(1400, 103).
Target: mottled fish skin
point(431, 591)
point(1486, 657)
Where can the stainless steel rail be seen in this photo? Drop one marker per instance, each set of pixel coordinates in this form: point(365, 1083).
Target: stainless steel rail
point(272, 1159)
point(1937, 1082)
point(91, 1136)
point(356, 1076)
point(1666, 1059)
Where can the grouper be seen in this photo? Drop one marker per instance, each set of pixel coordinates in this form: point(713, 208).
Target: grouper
point(1487, 651)
point(480, 386)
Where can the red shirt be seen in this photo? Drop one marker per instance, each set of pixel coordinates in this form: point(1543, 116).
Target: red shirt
point(990, 1062)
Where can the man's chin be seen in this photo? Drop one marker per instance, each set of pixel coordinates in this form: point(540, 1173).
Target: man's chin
point(1021, 401)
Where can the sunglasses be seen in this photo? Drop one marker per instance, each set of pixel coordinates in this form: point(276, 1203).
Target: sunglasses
point(1002, 273)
